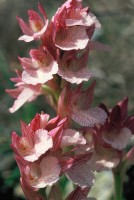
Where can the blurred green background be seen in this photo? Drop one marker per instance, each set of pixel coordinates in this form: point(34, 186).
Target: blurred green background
point(114, 72)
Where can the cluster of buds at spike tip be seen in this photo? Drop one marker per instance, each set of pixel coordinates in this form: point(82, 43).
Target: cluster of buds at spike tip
point(80, 140)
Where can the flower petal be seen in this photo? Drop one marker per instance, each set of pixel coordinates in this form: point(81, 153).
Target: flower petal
point(43, 142)
point(23, 97)
point(29, 192)
point(26, 38)
point(89, 117)
point(104, 159)
point(76, 38)
point(117, 140)
point(130, 123)
point(75, 76)
point(50, 170)
point(31, 157)
point(81, 175)
point(41, 75)
point(95, 45)
point(72, 137)
point(24, 27)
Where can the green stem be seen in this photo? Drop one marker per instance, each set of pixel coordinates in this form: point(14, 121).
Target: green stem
point(118, 175)
point(43, 193)
point(117, 186)
point(49, 90)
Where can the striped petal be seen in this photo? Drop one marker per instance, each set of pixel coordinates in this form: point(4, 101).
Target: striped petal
point(76, 38)
point(41, 75)
point(89, 117)
point(75, 76)
point(117, 140)
point(50, 171)
point(81, 175)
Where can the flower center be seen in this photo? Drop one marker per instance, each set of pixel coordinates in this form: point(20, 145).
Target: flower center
point(24, 145)
point(36, 25)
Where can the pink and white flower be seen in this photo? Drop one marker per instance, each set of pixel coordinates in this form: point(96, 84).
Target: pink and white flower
point(76, 104)
point(72, 67)
point(118, 128)
point(36, 27)
point(43, 173)
point(23, 93)
point(29, 191)
point(39, 174)
point(39, 68)
point(31, 145)
point(73, 25)
point(36, 137)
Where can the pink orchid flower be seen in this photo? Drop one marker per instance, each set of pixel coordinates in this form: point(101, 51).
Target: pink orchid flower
point(39, 174)
point(36, 27)
point(42, 136)
point(79, 16)
point(77, 168)
point(110, 139)
point(31, 145)
point(76, 104)
point(61, 135)
point(88, 159)
point(39, 151)
point(104, 157)
point(118, 128)
point(43, 173)
point(73, 25)
point(29, 191)
point(23, 93)
point(72, 67)
point(36, 137)
point(39, 68)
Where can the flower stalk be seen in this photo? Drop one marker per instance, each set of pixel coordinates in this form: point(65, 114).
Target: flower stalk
point(79, 140)
point(55, 94)
point(117, 185)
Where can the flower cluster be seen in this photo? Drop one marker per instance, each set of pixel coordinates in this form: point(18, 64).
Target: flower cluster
point(62, 54)
point(80, 140)
point(39, 151)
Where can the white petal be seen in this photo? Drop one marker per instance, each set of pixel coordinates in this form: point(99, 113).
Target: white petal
point(84, 20)
point(72, 137)
point(26, 38)
point(90, 19)
point(31, 157)
point(43, 142)
point(23, 97)
point(41, 75)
